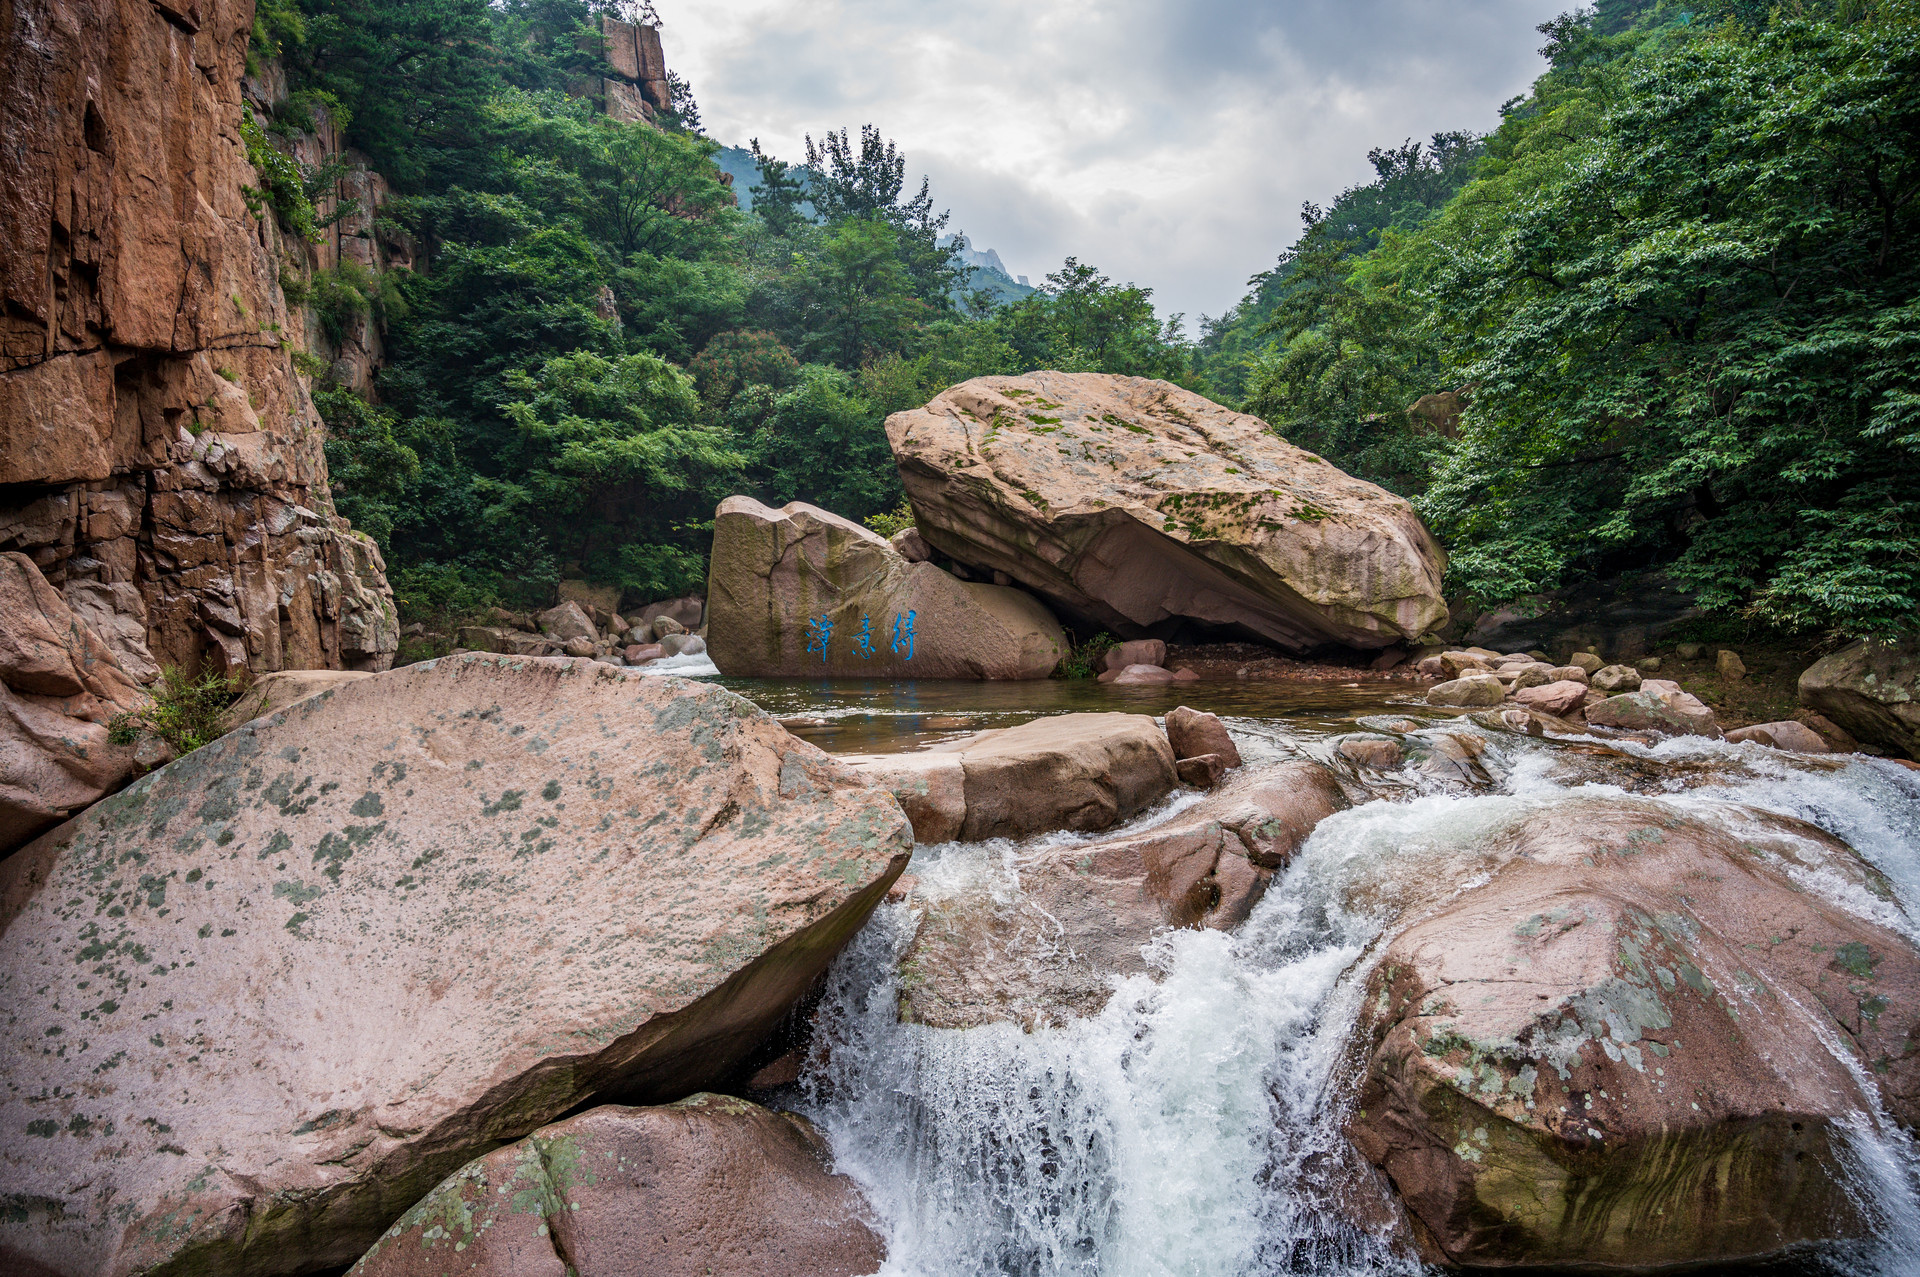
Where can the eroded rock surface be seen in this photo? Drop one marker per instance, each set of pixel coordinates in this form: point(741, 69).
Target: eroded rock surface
point(799, 592)
point(1616, 1051)
point(710, 1185)
point(312, 968)
point(1052, 950)
point(1873, 691)
point(60, 688)
point(155, 438)
point(1083, 772)
point(1134, 503)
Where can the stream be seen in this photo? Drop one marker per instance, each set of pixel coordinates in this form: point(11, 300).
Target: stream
point(1193, 1126)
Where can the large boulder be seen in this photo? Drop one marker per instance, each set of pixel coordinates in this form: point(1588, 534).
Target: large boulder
point(1134, 503)
point(711, 1185)
point(60, 687)
point(1083, 772)
point(1081, 915)
point(1642, 1042)
point(799, 592)
point(1659, 706)
point(1872, 690)
point(268, 996)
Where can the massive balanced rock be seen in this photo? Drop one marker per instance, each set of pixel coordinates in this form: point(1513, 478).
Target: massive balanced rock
point(1643, 1043)
point(797, 591)
point(711, 1185)
point(160, 460)
point(1135, 503)
point(265, 998)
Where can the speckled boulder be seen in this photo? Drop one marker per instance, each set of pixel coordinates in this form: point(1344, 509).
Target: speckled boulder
point(265, 998)
point(1132, 502)
point(1639, 1044)
point(708, 1187)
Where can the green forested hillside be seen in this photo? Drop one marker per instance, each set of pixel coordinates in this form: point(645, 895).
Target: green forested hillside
point(1678, 292)
point(598, 344)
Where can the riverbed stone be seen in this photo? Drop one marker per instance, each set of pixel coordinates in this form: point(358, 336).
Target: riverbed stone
point(1615, 1052)
point(332, 956)
point(1140, 676)
point(1134, 652)
point(709, 1185)
point(1201, 771)
point(1133, 503)
point(799, 592)
point(566, 622)
point(1658, 706)
point(1468, 692)
point(1789, 735)
point(1872, 690)
point(1614, 679)
point(1558, 699)
point(1052, 951)
point(1193, 732)
point(1083, 772)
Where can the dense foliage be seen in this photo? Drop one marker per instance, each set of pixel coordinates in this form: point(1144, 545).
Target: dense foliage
point(598, 344)
point(1678, 292)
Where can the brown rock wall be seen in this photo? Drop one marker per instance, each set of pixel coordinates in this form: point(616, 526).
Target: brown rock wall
point(153, 430)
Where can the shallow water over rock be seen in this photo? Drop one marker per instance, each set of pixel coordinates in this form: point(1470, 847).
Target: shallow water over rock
point(1195, 1125)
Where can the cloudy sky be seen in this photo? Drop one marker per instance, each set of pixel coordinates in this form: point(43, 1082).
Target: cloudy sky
point(1168, 142)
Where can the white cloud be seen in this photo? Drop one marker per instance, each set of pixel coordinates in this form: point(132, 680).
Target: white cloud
point(1167, 143)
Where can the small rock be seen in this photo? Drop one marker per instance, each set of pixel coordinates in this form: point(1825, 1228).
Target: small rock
point(1568, 674)
point(1795, 737)
point(1649, 663)
point(1186, 674)
point(1689, 651)
point(1377, 752)
point(1615, 679)
point(1838, 739)
point(1533, 676)
point(1468, 693)
point(568, 621)
point(1001, 578)
point(1730, 666)
point(665, 625)
point(1202, 771)
point(1139, 675)
point(1586, 661)
point(1135, 652)
point(150, 752)
point(1538, 656)
point(912, 546)
point(1431, 667)
point(1457, 663)
point(641, 653)
point(683, 645)
point(1193, 733)
point(1558, 699)
point(579, 647)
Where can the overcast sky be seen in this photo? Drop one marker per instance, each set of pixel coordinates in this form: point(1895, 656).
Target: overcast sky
point(1167, 142)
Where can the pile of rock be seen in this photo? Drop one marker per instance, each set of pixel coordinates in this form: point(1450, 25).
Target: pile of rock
point(588, 630)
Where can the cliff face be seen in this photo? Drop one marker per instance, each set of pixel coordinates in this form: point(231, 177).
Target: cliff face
point(160, 458)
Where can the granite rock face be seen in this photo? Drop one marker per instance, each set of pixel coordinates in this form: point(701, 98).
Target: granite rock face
point(1135, 504)
point(1639, 1044)
point(799, 592)
point(710, 1185)
point(160, 458)
point(336, 954)
point(60, 687)
point(1051, 950)
point(1873, 691)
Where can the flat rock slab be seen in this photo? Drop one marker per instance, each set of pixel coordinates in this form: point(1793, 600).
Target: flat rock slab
point(1082, 914)
point(1639, 1044)
point(709, 1187)
point(1083, 772)
point(262, 1000)
point(799, 592)
point(1133, 502)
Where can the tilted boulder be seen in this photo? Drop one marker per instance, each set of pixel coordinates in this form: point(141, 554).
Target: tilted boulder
point(1082, 913)
point(799, 592)
point(710, 1185)
point(1193, 733)
point(60, 687)
point(1620, 1051)
point(1084, 772)
point(1872, 690)
point(1133, 502)
point(336, 954)
point(1659, 706)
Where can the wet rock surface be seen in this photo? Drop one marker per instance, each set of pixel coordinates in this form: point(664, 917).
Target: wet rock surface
point(1620, 1049)
point(710, 1185)
point(799, 592)
point(322, 962)
point(1052, 948)
point(1081, 772)
point(1134, 503)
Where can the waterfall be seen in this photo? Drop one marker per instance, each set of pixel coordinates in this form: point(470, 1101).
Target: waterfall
point(1193, 1126)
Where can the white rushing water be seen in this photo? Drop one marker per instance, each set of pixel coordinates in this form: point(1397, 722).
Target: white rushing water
point(1192, 1127)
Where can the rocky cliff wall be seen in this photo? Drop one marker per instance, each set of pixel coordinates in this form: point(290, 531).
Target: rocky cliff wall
point(160, 456)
